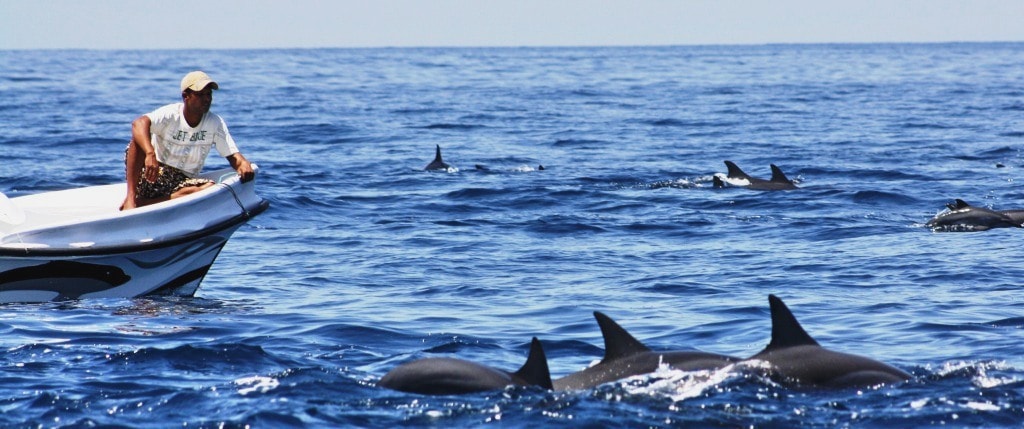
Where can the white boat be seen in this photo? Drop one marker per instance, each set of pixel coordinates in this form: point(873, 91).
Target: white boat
point(76, 243)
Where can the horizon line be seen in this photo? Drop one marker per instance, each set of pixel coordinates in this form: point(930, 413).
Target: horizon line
point(598, 46)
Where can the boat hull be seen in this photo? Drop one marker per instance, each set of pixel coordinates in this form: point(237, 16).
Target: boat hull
point(171, 270)
point(163, 249)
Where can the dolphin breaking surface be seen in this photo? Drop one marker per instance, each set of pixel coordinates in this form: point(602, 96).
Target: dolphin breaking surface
point(625, 356)
point(778, 182)
point(797, 359)
point(962, 217)
point(792, 357)
point(438, 163)
point(449, 376)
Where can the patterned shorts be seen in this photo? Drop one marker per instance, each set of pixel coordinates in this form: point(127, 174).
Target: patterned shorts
point(168, 181)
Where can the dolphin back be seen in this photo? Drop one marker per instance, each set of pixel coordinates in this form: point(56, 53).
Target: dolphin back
point(817, 367)
point(449, 376)
point(444, 376)
point(1015, 216)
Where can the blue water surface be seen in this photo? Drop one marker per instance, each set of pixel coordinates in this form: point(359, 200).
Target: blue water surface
point(365, 261)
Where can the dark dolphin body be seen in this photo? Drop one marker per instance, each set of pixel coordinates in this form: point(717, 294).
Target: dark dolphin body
point(625, 356)
point(965, 217)
point(448, 376)
point(778, 182)
point(795, 358)
point(437, 163)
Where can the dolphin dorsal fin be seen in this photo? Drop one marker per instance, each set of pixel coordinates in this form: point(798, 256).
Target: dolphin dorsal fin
point(535, 371)
point(437, 163)
point(786, 330)
point(437, 157)
point(778, 175)
point(958, 204)
point(617, 342)
point(735, 172)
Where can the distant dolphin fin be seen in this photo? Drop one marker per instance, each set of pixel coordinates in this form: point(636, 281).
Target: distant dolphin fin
point(437, 163)
point(735, 172)
point(437, 156)
point(535, 371)
point(717, 182)
point(786, 330)
point(617, 342)
point(778, 175)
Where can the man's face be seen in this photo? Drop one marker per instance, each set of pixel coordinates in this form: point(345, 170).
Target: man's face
point(199, 101)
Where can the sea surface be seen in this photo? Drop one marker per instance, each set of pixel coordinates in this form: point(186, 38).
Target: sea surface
point(365, 261)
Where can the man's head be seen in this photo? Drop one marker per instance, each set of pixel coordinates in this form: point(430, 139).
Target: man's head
point(197, 92)
point(197, 81)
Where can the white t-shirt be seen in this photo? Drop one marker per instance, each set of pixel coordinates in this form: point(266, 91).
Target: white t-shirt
point(183, 147)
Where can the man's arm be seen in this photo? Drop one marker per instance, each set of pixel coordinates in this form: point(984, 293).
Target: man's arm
point(242, 166)
point(141, 131)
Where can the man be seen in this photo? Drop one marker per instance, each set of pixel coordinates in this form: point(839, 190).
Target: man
point(169, 146)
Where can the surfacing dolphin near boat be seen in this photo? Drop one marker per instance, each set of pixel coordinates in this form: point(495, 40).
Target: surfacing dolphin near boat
point(736, 177)
point(963, 217)
point(791, 357)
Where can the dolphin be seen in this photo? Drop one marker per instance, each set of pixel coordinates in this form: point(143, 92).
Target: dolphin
point(797, 358)
point(449, 376)
point(437, 163)
point(965, 217)
point(778, 182)
point(625, 356)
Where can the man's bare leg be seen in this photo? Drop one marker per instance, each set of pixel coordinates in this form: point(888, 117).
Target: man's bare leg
point(132, 172)
point(190, 190)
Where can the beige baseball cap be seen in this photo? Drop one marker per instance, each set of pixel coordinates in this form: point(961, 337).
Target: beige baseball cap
point(196, 81)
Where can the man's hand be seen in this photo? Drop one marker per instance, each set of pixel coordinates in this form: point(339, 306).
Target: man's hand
point(242, 166)
point(152, 167)
point(246, 172)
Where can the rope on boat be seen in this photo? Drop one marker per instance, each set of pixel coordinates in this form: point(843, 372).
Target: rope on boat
point(239, 202)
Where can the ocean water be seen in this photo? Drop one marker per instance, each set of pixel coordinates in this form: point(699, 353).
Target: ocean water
point(365, 261)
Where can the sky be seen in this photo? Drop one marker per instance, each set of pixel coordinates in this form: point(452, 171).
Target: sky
point(230, 24)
